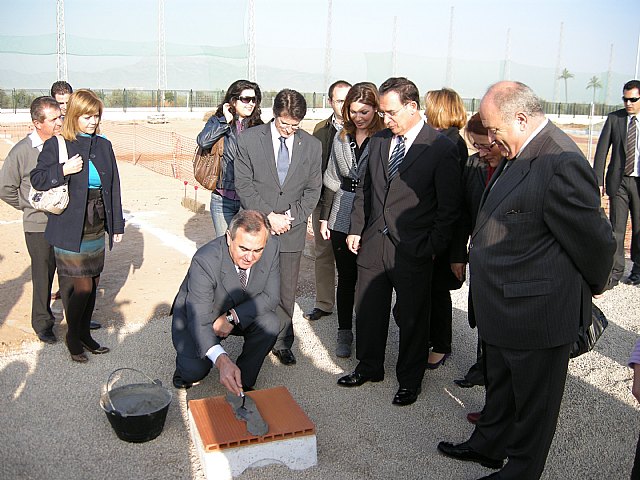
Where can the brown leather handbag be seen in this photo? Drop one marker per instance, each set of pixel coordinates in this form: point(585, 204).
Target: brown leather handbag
point(207, 164)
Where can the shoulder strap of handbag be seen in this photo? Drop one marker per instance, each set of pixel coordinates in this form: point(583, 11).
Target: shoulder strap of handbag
point(63, 156)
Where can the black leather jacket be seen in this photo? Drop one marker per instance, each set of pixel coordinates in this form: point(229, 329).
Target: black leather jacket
point(212, 131)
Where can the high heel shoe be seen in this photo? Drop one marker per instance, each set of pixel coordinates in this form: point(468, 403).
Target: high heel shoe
point(80, 358)
point(95, 351)
point(433, 366)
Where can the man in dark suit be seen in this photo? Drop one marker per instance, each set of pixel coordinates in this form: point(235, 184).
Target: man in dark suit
point(402, 216)
point(278, 172)
point(232, 288)
point(541, 247)
point(324, 266)
point(620, 132)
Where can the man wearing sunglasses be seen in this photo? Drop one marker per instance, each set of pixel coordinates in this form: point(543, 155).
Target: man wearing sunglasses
point(278, 172)
point(620, 132)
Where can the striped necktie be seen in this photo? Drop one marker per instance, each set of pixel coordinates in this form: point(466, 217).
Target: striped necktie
point(630, 147)
point(396, 158)
point(242, 275)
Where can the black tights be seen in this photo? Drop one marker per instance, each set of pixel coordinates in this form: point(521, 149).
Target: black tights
point(79, 299)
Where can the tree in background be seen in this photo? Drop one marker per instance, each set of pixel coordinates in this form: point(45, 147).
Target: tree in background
point(594, 83)
point(566, 75)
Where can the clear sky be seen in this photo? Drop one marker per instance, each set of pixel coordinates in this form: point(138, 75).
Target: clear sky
point(291, 35)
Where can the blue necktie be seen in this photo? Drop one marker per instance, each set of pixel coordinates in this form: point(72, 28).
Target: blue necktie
point(282, 163)
point(396, 158)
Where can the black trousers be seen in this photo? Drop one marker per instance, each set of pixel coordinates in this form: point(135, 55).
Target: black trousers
point(289, 270)
point(374, 290)
point(347, 278)
point(43, 268)
point(259, 338)
point(626, 201)
point(524, 393)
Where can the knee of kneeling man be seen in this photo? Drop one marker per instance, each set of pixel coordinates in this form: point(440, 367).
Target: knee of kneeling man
point(270, 324)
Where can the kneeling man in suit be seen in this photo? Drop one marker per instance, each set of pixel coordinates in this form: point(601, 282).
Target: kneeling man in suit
point(232, 288)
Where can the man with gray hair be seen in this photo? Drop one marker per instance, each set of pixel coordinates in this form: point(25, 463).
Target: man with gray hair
point(541, 248)
point(14, 189)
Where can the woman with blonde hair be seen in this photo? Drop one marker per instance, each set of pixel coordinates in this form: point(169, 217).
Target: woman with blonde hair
point(345, 170)
point(78, 233)
point(445, 112)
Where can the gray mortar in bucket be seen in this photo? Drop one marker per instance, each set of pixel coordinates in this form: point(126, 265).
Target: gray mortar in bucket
point(136, 399)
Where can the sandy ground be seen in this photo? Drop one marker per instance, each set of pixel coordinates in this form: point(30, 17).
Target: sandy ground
point(52, 426)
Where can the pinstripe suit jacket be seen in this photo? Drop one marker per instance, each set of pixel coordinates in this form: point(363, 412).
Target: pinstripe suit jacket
point(540, 248)
point(419, 206)
point(614, 135)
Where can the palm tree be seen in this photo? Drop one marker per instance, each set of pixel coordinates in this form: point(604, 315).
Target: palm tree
point(565, 75)
point(594, 83)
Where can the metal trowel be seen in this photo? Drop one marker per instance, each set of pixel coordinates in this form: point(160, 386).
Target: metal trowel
point(246, 410)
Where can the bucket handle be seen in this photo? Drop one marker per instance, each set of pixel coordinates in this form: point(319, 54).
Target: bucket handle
point(109, 383)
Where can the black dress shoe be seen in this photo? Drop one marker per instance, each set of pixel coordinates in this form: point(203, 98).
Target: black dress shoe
point(493, 475)
point(178, 382)
point(315, 314)
point(406, 396)
point(633, 279)
point(94, 325)
point(355, 379)
point(80, 358)
point(96, 351)
point(463, 451)
point(464, 383)
point(285, 356)
point(47, 337)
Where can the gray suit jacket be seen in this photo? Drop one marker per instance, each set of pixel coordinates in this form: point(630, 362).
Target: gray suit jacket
point(258, 186)
point(212, 287)
point(614, 135)
point(540, 248)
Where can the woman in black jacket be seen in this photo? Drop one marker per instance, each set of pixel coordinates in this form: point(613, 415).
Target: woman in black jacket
point(445, 112)
point(239, 109)
point(77, 234)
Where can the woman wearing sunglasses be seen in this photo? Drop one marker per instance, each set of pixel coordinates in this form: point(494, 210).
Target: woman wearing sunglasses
point(240, 109)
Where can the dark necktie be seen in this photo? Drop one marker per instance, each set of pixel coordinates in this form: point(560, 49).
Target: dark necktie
point(242, 275)
point(630, 147)
point(396, 158)
point(282, 163)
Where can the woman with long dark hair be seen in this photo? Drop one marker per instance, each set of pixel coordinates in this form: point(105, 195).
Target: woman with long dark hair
point(346, 168)
point(240, 109)
point(78, 233)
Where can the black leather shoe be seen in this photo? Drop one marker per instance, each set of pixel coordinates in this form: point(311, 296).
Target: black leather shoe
point(285, 356)
point(493, 475)
point(315, 314)
point(96, 351)
point(94, 325)
point(406, 396)
point(463, 451)
point(178, 382)
point(633, 279)
point(47, 337)
point(464, 383)
point(355, 379)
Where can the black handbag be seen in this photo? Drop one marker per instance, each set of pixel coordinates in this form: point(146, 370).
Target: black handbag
point(589, 335)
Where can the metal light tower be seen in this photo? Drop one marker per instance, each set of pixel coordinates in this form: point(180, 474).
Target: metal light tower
point(394, 48)
point(507, 57)
point(449, 78)
point(61, 47)
point(607, 87)
point(327, 50)
point(251, 65)
point(162, 54)
point(556, 81)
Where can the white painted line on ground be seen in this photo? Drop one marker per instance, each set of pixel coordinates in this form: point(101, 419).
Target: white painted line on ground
point(181, 244)
point(9, 222)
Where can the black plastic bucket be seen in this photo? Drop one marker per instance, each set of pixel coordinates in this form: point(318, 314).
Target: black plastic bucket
point(137, 411)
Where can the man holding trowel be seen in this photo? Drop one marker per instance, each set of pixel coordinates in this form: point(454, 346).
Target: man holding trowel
point(232, 288)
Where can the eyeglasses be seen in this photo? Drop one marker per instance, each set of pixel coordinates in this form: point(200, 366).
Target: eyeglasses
point(247, 99)
point(292, 126)
point(630, 99)
point(392, 114)
point(483, 146)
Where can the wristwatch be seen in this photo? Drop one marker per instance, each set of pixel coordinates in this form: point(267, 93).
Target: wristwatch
point(230, 319)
